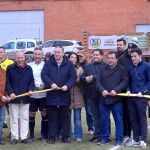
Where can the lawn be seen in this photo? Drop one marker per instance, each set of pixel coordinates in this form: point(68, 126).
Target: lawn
point(85, 145)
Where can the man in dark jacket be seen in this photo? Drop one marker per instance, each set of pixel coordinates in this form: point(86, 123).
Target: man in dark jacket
point(59, 72)
point(89, 77)
point(19, 80)
point(125, 60)
point(87, 102)
point(139, 83)
point(112, 80)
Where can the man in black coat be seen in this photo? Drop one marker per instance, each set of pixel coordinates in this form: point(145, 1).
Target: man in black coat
point(59, 72)
point(89, 77)
point(112, 80)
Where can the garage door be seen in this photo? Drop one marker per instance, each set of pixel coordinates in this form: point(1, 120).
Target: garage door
point(21, 24)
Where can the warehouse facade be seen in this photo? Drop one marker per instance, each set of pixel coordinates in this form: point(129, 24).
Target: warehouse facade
point(68, 19)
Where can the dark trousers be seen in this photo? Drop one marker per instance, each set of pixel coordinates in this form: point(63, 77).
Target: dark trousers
point(89, 115)
point(96, 116)
point(126, 118)
point(53, 112)
point(137, 109)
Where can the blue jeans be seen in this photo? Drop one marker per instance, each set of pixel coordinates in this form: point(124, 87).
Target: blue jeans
point(2, 119)
point(117, 113)
point(78, 132)
point(89, 116)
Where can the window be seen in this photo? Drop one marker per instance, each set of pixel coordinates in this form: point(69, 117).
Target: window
point(30, 44)
point(21, 45)
point(62, 43)
point(9, 45)
point(58, 43)
point(143, 28)
point(67, 43)
point(48, 44)
point(79, 43)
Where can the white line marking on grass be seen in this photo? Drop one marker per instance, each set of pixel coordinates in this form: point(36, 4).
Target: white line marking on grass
point(115, 147)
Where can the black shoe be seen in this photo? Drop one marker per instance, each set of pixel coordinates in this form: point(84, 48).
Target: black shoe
point(9, 136)
point(14, 141)
point(65, 140)
point(2, 143)
point(51, 141)
point(94, 139)
point(40, 138)
point(26, 141)
point(31, 139)
point(5, 125)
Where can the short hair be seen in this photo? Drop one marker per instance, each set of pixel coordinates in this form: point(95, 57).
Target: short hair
point(37, 48)
point(99, 50)
point(1, 47)
point(136, 50)
point(123, 40)
point(59, 47)
point(22, 51)
point(113, 52)
point(19, 52)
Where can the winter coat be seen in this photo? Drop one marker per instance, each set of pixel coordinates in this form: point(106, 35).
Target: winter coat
point(64, 74)
point(76, 94)
point(92, 69)
point(19, 81)
point(2, 84)
point(139, 78)
point(125, 60)
point(112, 79)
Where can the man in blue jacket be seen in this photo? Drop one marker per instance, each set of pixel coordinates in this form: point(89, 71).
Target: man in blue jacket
point(19, 80)
point(139, 79)
point(58, 72)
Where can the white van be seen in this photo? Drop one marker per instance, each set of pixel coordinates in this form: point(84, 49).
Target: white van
point(26, 45)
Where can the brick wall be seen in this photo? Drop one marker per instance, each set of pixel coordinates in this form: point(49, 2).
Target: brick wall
point(68, 19)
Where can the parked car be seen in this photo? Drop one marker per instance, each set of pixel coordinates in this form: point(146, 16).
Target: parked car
point(68, 45)
point(27, 45)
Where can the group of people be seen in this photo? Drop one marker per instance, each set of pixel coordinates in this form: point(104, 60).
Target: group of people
point(73, 83)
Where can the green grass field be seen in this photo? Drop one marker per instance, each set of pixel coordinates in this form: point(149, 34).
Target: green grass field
point(84, 145)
